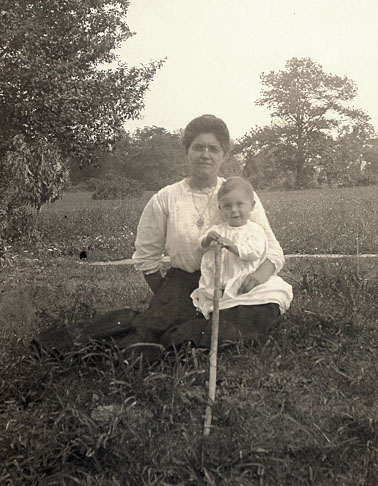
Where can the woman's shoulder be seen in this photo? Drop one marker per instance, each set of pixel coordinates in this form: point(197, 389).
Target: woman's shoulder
point(254, 227)
point(170, 191)
point(173, 188)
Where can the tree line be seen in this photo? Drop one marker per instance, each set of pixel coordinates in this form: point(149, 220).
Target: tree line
point(152, 156)
point(315, 137)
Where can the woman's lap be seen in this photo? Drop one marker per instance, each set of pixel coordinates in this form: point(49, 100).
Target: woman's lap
point(245, 323)
point(172, 319)
point(170, 306)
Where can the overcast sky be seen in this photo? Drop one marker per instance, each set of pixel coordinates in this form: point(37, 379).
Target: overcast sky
point(216, 50)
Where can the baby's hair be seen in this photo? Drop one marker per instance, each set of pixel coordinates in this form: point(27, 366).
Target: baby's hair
point(236, 183)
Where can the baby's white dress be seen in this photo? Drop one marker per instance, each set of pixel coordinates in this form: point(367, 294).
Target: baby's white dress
point(252, 245)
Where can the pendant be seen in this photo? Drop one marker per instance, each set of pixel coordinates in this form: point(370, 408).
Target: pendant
point(200, 222)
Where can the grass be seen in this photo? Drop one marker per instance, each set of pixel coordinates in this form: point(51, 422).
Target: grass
point(325, 220)
point(311, 221)
point(300, 411)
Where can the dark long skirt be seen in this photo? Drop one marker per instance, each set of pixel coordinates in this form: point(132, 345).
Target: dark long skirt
point(172, 318)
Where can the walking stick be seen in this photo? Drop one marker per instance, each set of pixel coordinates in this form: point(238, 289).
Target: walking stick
point(214, 342)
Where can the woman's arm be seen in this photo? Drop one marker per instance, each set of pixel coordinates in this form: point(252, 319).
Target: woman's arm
point(274, 252)
point(261, 275)
point(274, 258)
point(150, 241)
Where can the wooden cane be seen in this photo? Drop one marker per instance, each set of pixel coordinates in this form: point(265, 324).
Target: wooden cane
point(214, 342)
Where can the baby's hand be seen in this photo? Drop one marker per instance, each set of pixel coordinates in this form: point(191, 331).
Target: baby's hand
point(229, 245)
point(211, 239)
point(213, 235)
point(225, 242)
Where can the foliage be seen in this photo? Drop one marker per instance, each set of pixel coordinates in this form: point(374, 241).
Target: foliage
point(38, 171)
point(51, 82)
point(58, 101)
point(266, 158)
point(313, 126)
point(371, 158)
point(114, 187)
point(232, 165)
point(151, 155)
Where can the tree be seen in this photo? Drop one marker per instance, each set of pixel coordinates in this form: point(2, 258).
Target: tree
point(151, 155)
point(55, 95)
point(267, 158)
point(370, 169)
point(309, 108)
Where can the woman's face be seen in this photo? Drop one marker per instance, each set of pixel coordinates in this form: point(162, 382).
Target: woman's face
point(205, 156)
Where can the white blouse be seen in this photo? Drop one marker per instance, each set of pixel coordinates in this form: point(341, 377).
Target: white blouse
point(168, 227)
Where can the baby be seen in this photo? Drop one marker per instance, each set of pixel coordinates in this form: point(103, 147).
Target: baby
point(245, 246)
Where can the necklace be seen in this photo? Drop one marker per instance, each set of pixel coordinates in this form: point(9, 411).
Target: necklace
point(200, 221)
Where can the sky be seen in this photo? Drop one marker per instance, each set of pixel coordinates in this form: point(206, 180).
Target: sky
point(215, 51)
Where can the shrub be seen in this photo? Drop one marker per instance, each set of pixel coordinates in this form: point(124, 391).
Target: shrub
point(16, 218)
point(115, 187)
point(18, 223)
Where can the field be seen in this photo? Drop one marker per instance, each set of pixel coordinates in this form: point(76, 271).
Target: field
point(300, 411)
point(312, 221)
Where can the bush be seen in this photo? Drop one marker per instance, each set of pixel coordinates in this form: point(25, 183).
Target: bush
point(18, 223)
point(91, 184)
point(115, 187)
point(16, 217)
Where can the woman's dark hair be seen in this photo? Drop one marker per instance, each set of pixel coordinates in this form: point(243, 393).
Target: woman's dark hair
point(239, 183)
point(207, 124)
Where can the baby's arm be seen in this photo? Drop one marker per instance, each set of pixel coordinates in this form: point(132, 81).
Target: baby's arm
point(229, 245)
point(209, 238)
point(254, 245)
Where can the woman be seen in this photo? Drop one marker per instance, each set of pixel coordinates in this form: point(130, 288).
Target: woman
point(172, 223)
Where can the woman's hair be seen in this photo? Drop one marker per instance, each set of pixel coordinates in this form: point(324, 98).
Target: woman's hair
point(236, 183)
point(207, 124)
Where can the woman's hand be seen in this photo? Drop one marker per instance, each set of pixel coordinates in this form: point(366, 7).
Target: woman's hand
point(154, 281)
point(261, 275)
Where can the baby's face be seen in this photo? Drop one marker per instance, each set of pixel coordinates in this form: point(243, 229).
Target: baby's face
point(235, 207)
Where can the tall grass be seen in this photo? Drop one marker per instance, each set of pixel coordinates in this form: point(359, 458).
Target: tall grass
point(311, 221)
point(325, 220)
point(105, 229)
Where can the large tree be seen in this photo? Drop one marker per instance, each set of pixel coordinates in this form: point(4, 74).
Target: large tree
point(309, 109)
point(267, 157)
point(58, 102)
